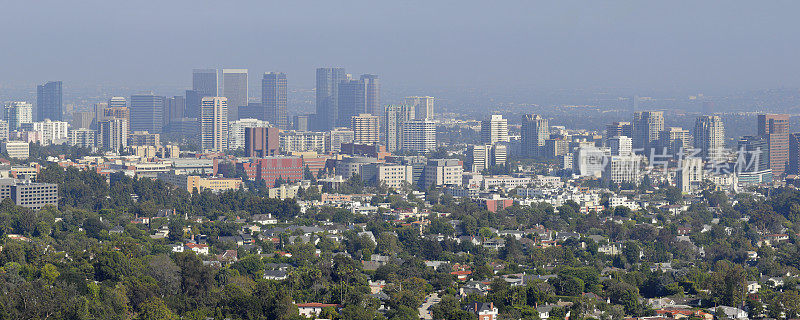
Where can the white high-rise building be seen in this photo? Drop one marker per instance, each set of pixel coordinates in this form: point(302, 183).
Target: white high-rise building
point(214, 124)
point(494, 129)
point(236, 131)
point(620, 146)
point(366, 129)
point(18, 113)
point(234, 87)
point(419, 136)
point(52, 131)
point(480, 157)
point(709, 137)
point(82, 137)
point(620, 169)
point(337, 136)
point(423, 107)
point(113, 133)
point(302, 141)
point(393, 118)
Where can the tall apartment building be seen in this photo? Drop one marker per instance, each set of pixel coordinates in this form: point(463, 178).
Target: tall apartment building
point(338, 136)
point(18, 113)
point(423, 106)
point(709, 137)
point(387, 174)
point(234, 88)
point(237, 128)
point(327, 97)
point(52, 131)
point(82, 138)
point(620, 146)
point(675, 140)
point(113, 134)
point(443, 172)
point(647, 125)
point(621, 169)
point(214, 124)
point(146, 113)
point(775, 127)
point(302, 141)
point(49, 101)
point(393, 118)
point(419, 136)
point(261, 142)
point(274, 99)
point(494, 129)
point(365, 129)
point(481, 157)
point(535, 131)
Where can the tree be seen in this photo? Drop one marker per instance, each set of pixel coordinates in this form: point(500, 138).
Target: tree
point(156, 309)
point(728, 284)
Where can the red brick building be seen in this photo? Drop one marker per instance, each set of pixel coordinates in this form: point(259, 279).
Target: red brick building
point(270, 169)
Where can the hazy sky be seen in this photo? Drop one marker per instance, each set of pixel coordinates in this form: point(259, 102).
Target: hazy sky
point(542, 44)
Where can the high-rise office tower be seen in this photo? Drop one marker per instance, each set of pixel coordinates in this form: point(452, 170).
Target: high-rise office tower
point(675, 140)
point(647, 125)
point(274, 99)
point(81, 119)
point(97, 114)
point(419, 136)
point(494, 129)
point(113, 133)
point(423, 106)
point(753, 164)
point(175, 109)
point(193, 101)
point(48, 101)
point(328, 80)
point(794, 154)
point(393, 118)
point(535, 131)
point(352, 100)
point(372, 102)
point(146, 113)
point(365, 129)
point(303, 122)
point(775, 127)
point(261, 142)
point(709, 137)
point(619, 129)
point(214, 124)
point(18, 113)
point(234, 87)
point(204, 81)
